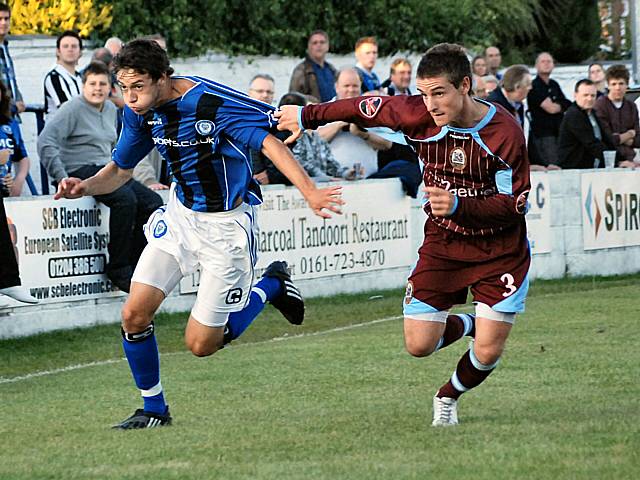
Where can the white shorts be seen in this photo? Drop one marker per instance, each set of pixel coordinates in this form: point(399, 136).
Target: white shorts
point(222, 244)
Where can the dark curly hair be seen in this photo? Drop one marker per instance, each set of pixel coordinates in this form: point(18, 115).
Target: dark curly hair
point(143, 56)
point(445, 59)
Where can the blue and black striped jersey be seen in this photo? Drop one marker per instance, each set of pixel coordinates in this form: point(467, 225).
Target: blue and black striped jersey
point(205, 136)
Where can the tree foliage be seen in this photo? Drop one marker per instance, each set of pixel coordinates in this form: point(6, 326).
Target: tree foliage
point(281, 27)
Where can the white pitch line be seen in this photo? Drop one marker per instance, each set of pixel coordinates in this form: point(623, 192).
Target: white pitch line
point(80, 366)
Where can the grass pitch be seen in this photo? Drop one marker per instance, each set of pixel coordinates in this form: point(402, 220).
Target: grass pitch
point(338, 398)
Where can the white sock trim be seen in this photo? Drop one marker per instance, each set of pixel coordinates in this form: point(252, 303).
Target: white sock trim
point(478, 364)
point(261, 294)
point(456, 383)
point(468, 323)
point(153, 391)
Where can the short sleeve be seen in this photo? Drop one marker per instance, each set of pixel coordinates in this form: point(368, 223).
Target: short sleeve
point(20, 150)
point(135, 141)
point(246, 121)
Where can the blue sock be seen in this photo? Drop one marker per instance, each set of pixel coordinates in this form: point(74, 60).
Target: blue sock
point(239, 321)
point(270, 286)
point(141, 351)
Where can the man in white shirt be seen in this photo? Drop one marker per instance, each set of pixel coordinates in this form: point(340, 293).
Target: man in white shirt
point(63, 82)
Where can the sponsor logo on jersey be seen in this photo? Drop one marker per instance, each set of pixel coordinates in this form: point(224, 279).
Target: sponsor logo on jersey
point(160, 229)
point(7, 129)
point(234, 296)
point(185, 143)
point(522, 205)
point(408, 293)
point(370, 106)
point(205, 127)
point(156, 121)
point(458, 158)
point(6, 143)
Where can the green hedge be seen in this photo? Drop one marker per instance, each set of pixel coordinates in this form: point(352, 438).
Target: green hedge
point(281, 27)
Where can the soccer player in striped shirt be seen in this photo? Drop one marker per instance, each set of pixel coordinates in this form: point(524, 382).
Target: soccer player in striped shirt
point(204, 130)
point(476, 176)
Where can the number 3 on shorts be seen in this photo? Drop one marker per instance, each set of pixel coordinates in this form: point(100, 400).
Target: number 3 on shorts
point(508, 280)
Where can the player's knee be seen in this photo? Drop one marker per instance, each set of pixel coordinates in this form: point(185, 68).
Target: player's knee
point(487, 354)
point(134, 319)
point(202, 349)
point(418, 348)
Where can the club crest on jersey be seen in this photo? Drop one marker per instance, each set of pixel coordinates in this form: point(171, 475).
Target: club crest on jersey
point(6, 129)
point(205, 127)
point(160, 229)
point(522, 205)
point(369, 106)
point(458, 158)
point(408, 293)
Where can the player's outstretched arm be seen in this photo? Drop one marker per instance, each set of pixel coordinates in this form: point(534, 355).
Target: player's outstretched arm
point(319, 199)
point(108, 179)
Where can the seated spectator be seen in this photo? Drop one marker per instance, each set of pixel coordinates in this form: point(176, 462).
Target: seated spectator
point(64, 81)
point(263, 88)
point(582, 140)
point(366, 52)
point(597, 76)
point(78, 144)
point(619, 116)
point(104, 55)
point(516, 84)
point(315, 77)
point(12, 149)
point(491, 83)
point(479, 66)
point(399, 78)
point(352, 146)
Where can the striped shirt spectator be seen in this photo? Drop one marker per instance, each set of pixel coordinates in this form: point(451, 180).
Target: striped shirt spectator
point(63, 82)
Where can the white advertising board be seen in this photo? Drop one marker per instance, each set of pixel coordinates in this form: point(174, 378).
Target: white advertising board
point(371, 234)
point(610, 209)
point(61, 248)
point(539, 215)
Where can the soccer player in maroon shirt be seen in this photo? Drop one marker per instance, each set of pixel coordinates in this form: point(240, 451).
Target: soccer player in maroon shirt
point(476, 176)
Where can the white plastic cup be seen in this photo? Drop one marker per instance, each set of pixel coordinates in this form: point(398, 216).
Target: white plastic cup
point(609, 158)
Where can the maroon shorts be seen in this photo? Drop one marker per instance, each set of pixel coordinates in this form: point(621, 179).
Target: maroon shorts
point(495, 269)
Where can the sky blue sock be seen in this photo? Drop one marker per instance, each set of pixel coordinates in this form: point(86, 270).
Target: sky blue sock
point(141, 351)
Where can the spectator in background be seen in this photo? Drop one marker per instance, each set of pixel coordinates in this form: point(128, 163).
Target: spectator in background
point(479, 66)
point(619, 116)
point(315, 77)
point(7, 72)
point(582, 140)
point(12, 148)
point(104, 55)
point(493, 58)
point(114, 44)
point(516, 84)
point(63, 82)
point(597, 76)
point(366, 52)
point(547, 105)
point(399, 78)
point(263, 88)
point(480, 87)
point(78, 144)
point(490, 83)
point(353, 147)
point(10, 284)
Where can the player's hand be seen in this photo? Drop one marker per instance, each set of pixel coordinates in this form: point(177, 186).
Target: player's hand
point(442, 201)
point(70, 188)
point(287, 117)
point(20, 106)
point(322, 199)
point(8, 181)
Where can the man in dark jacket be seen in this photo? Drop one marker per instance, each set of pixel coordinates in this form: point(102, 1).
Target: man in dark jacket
point(582, 139)
point(314, 77)
point(515, 86)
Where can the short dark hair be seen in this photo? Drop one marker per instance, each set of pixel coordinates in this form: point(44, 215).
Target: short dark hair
point(618, 72)
point(447, 59)
point(143, 56)
point(68, 33)
point(514, 76)
point(584, 81)
point(103, 55)
point(319, 32)
point(96, 68)
point(292, 98)
point(5, 8)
